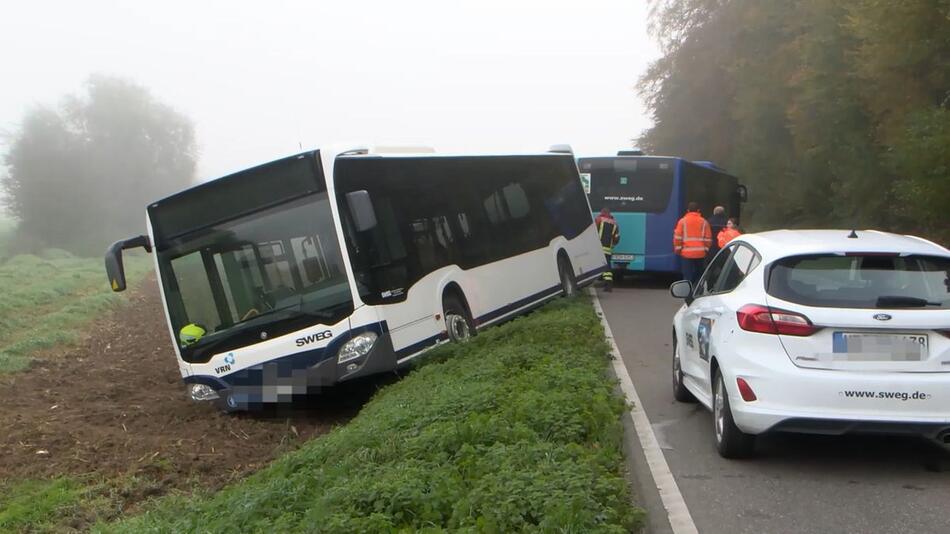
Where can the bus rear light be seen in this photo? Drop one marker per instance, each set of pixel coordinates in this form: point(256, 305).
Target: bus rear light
point(745, 390)
point(767, 320)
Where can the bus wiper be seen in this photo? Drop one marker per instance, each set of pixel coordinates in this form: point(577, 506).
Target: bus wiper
point(318, 313)
point(321, 314)
point(900, 301)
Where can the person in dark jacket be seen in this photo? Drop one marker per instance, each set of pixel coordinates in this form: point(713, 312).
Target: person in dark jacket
point(609, 234)
point(717, 223)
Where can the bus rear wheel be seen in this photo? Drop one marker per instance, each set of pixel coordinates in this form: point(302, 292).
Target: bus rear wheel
point(458, 323)
point(568, 282)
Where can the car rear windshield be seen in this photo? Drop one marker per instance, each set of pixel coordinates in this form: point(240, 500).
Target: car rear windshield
point(862, 281)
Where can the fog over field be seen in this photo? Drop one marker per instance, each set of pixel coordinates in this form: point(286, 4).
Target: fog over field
point(261, 80)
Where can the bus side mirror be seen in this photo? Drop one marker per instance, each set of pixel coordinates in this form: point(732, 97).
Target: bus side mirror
point(742, 193)
point(361, 208)
point(114, 266)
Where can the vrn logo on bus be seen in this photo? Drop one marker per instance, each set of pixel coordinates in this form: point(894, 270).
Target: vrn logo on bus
point(319, 336)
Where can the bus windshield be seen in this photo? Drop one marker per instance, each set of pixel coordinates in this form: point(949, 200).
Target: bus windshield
point(269, 270)
point(629, 184)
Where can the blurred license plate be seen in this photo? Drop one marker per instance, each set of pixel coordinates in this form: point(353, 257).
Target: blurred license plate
point(622, 257)
point(881, 347)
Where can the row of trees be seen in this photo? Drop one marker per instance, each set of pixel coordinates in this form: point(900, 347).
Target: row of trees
point(80, 176)
point(834, 113)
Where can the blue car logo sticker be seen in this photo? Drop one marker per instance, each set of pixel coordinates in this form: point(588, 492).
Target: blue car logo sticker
point(702, 337)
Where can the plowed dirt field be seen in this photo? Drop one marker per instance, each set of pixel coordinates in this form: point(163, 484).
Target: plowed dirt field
point(114, 408)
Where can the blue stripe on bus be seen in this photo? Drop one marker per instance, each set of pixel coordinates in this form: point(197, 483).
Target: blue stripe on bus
point(499, 312)
point(421, 345)
point(536, 298)
point(591, 274)
point(252, 376)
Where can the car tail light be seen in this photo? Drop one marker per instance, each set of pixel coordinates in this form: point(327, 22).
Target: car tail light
point(745, 390)
point(766, 320)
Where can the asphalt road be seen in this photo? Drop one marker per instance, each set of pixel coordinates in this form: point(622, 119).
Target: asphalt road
point(796, 483)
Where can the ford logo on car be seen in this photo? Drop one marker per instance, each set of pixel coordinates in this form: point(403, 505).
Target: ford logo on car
point(882, 317)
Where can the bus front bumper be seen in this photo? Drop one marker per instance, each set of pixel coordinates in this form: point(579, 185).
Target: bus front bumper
point(281, 381)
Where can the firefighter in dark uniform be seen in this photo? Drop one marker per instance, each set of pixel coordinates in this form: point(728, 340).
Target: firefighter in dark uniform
point(609, 234)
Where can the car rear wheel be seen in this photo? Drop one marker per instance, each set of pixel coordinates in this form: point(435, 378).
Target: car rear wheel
point(680, 393)
point(730, 441)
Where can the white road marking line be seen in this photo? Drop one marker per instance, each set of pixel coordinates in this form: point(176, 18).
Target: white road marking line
point(680, 519)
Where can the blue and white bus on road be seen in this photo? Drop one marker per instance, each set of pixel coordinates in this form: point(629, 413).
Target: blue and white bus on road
point(327, 266)
point(647, 195)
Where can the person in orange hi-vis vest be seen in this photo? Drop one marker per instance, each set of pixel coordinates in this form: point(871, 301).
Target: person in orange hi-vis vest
point(730, 232)
point(609, 234)
point(692, 238)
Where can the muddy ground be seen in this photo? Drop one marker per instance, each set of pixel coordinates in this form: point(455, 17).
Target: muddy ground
point(114, 407)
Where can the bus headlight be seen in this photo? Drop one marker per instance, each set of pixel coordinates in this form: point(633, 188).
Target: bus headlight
point(202, 392)
point(357, 347)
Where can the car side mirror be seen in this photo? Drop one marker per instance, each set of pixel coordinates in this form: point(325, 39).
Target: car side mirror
point(682, 290)
point(361, 208)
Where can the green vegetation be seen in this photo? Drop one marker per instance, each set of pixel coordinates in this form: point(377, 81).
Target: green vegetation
point(834, 113)
point(46, 301)
point(7, 228)
point(517, 430)
point(37, 505)
point(67, 504)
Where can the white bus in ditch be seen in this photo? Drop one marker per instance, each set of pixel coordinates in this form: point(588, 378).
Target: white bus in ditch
point(323, 267)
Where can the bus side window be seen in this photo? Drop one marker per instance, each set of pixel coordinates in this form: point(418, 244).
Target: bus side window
point(388, 253)
point(474, 241)
point(529, 223)
point(494, 208)
point(463, 224)
point(443, 233)
point(510, 214)
point(516, 200)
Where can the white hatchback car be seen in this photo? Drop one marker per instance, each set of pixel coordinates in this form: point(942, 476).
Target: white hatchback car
point(817, 331)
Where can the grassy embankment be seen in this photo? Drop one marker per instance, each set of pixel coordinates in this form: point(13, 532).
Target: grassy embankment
point(518, 430)
point(7, 227)
point(47, 301)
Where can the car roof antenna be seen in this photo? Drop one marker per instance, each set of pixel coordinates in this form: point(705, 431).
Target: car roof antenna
point(853, 235)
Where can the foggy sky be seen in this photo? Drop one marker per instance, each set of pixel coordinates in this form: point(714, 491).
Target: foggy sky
point(261, 79)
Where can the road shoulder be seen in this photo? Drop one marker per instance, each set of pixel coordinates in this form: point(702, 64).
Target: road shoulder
point(639, 437)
